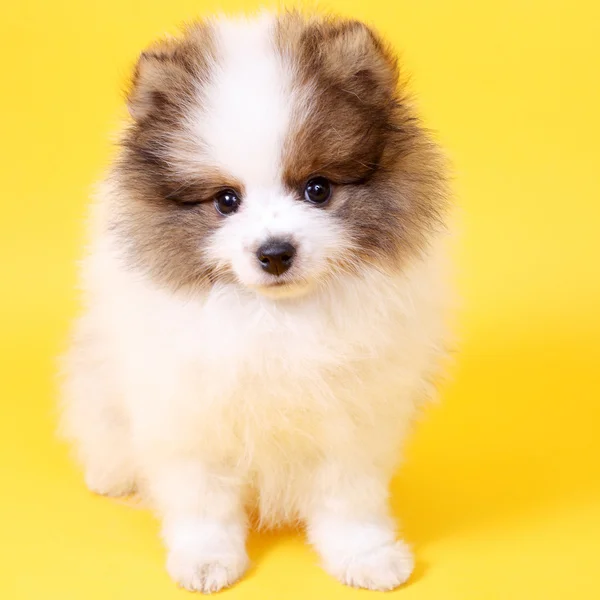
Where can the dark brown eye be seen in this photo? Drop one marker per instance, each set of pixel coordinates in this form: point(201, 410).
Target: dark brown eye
point(317, 190)
point(227, 202)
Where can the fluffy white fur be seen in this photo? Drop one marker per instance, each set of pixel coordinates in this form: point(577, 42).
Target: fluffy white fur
point(225, 399)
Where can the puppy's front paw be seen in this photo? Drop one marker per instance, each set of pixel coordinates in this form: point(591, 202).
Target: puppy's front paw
point(381, 568)
point(202, 572)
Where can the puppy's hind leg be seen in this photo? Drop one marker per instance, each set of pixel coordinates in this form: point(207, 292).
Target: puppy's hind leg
point(93, 416)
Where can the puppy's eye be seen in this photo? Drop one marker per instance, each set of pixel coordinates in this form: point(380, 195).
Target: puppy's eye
point(317, 190)
point(227, 202)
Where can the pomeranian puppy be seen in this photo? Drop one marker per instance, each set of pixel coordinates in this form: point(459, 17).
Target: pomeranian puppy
point(264, 297)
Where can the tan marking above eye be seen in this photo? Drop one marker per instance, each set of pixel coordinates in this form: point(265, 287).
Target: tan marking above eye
point(203, 189)
point(348, 175)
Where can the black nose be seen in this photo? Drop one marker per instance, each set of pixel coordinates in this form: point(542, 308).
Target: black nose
point(276, 257)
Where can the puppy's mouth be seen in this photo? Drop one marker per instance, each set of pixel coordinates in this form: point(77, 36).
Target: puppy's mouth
point(283, 288)
point(277, 283)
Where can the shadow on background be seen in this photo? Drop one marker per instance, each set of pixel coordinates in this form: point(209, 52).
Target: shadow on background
point(513, 436)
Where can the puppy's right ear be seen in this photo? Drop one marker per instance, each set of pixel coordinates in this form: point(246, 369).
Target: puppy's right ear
point(157, 77)
point(166, 74)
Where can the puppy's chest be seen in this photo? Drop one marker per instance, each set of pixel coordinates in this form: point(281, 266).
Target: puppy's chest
point(250, 381)
point(258, 356)
point(270, 350)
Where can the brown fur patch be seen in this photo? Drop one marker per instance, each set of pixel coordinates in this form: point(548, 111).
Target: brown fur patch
point(166, 214)
point(167, 73)
point(360, 133)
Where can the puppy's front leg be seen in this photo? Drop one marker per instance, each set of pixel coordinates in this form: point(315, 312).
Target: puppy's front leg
point(350, 527)
point(204, 525)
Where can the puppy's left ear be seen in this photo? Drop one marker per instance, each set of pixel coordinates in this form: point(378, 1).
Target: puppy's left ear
point(355, 57)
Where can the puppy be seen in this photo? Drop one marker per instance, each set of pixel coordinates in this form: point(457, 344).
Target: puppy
point(264, 297)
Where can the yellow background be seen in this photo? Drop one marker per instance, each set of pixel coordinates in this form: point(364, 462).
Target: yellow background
point(500, 494)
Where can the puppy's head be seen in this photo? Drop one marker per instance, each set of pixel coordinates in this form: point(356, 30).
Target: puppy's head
point(275, 153)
